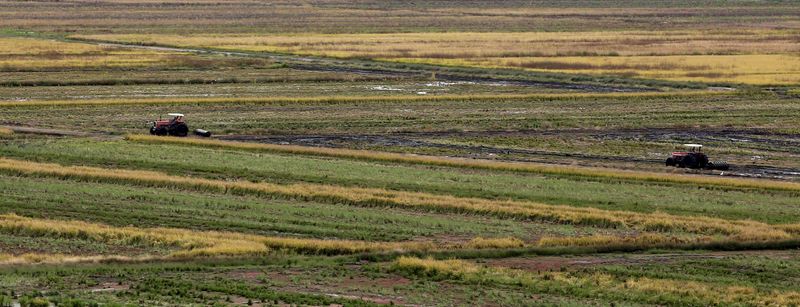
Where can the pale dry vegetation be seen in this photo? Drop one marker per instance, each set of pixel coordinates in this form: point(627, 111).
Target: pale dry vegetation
point(31, 54)
point(741, 56)
point(648, 240)
point(481, 243)
point(460, 45)
point(191, 243)
point(24, 54)
point(748, 68)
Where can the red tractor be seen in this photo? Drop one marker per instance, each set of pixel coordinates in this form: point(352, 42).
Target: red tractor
point(693, 157)
point(174, 127)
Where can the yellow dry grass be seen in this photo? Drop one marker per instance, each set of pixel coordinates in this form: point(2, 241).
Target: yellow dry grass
point(6, 132)
point(191, 243)
point(748, 68)
point(790, 228)
point(484, 44)
point(10, 46)
point(31, 54)
point(644, 241)
point(30, 258)
point(746, 231)
point(716, 294)
point(481, 243)
point(479, 164)
point(742, 56)
point(363, 99)
point(429, 266)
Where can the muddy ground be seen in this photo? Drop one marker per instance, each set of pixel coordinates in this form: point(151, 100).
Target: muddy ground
point(755, 139)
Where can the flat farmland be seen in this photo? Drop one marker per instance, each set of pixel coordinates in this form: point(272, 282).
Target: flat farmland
point(434, 153)
point(753, 57)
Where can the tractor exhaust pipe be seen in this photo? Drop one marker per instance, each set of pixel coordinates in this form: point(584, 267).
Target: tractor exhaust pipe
point(203, 133)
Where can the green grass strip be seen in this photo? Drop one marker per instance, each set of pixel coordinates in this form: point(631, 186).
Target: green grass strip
point(537, 168)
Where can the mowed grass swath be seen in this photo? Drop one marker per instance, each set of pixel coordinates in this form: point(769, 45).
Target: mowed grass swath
point(192, 243)
point(729, 230)
point(481, 164)
point(643, 289)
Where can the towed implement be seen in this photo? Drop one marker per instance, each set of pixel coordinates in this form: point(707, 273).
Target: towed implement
point(693, 156)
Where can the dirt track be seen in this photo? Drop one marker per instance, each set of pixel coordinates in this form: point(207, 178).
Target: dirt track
point(753, 138)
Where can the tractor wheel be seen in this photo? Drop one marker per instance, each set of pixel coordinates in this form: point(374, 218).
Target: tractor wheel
point(670, 161)
point(179, 130)
point(702, 162)
point(689, 161)
point(158, 131)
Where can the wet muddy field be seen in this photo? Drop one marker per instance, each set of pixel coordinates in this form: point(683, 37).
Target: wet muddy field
point(767, 143)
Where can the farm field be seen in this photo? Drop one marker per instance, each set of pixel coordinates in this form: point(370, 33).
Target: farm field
point(753, 57)
point(434, 153)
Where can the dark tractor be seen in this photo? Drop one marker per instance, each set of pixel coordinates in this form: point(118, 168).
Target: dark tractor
point(174, 127)
point(693, 157)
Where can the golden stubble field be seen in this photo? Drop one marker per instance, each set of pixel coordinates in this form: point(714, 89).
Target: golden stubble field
point(737, 56)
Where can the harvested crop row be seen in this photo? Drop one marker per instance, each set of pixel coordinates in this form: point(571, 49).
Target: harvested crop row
point(479, 164)
point(203, 244)
point(735, 230)
point(192, 243)
point(650, 290)
point(360, 99)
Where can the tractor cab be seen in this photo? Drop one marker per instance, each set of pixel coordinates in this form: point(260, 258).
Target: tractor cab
point(689, 149)
point(174, 127)
point(176, 117)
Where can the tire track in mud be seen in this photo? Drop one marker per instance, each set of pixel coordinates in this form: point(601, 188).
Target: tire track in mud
point(423, 140)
